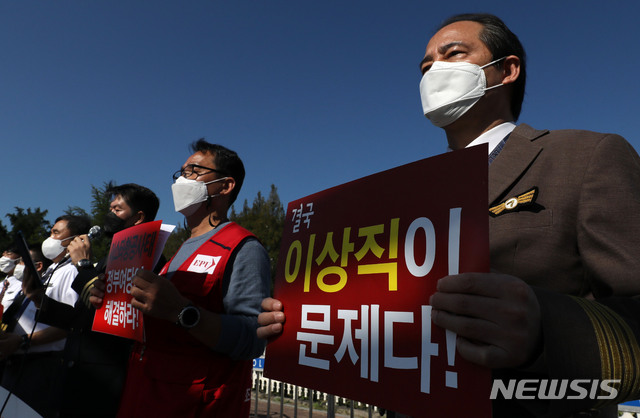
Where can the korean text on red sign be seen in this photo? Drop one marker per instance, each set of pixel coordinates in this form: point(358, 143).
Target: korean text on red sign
point(357, 266)
point(131, 249)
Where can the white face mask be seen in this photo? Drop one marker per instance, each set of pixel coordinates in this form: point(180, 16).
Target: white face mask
point(449, 89)
point(7, 264)
point(188, 195)
point(18, 273)
point(51, 247)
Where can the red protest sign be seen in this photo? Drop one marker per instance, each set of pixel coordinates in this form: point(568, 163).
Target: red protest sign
point(357, 266)
point(131, 249)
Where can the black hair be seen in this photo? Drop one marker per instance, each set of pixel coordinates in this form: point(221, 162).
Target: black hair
point(226, 161)
point(139, 198)
point(77, 225)
point(12, 249)
point(38, 257)
point(501, 42)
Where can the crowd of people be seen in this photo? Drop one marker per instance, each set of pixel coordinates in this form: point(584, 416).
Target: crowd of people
point(199, 326)
point(562, 301)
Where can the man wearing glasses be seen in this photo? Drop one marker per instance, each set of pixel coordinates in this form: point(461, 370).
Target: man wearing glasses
point(200, 313)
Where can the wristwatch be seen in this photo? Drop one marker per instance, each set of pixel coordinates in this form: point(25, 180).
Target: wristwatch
point(188, 317)
point(84, 263)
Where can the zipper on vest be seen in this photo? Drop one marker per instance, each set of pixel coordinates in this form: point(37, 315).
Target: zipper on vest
point(144, 347)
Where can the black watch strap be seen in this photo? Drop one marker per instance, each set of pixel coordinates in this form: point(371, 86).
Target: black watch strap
point(84, 263)
point(188, 317)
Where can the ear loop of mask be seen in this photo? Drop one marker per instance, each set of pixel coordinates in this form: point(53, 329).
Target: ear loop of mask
point(217, 194)
point(209, 197)
point(488, 65)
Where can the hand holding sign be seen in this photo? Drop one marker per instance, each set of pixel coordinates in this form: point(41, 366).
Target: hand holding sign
point(496, 317)
point(156, 296)
point(132, 249)
point(356, 277)
point(271, 320)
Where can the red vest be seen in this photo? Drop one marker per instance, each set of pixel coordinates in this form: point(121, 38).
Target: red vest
point(174, 375)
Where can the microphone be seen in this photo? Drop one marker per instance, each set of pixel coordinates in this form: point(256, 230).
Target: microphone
point(94, 232)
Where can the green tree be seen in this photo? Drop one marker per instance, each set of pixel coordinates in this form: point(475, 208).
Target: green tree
point(5, 238)
point(265, 218)
point(100, 206)
point(175, 240)
point(32, 223)
point(100, 202)
point(76, 211)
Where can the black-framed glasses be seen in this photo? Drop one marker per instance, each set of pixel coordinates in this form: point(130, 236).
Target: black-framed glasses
point(191, 169)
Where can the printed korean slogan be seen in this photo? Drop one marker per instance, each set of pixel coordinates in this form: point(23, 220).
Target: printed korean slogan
point(131, 249)
point(357, 266)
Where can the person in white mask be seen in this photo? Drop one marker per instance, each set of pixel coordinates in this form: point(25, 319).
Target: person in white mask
point(200, 313)
point(563, 299)
point(9, 260)
point(10, 286)
point(34, 350)
point(95, 359)
point(14, 287)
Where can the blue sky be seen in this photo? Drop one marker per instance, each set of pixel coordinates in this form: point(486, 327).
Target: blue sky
point(311, 94)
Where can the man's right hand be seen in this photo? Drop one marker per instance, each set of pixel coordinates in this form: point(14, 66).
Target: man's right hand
point(271, 320)
point(79, 248)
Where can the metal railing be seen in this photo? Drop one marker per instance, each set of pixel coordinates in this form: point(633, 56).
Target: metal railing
point(302, 402)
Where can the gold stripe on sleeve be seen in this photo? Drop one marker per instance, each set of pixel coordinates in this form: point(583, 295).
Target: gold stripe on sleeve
point(619, 350)
point(85, 294)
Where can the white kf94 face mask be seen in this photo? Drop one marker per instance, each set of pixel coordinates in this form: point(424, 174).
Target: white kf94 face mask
point(7, 264)
point(51, 247)
point(449, 89)
point(188, 195)
point(18, 273)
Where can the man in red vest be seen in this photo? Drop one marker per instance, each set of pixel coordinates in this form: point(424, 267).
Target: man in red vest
point(200, 313)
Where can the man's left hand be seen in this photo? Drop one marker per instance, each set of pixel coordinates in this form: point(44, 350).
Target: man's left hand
point(496, 318)
point(156, 296)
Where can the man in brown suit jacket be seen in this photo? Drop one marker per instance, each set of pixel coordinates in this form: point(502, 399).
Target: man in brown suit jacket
point(577, 240)
point(564, 233)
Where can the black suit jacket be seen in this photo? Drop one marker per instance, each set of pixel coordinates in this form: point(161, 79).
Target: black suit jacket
point(94, 362)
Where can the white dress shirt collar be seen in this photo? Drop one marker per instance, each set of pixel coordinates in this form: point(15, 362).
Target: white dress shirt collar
point(493, 136)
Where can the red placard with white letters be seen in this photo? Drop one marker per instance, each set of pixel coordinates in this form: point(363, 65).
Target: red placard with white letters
point(131, 249)
point(358, 263)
